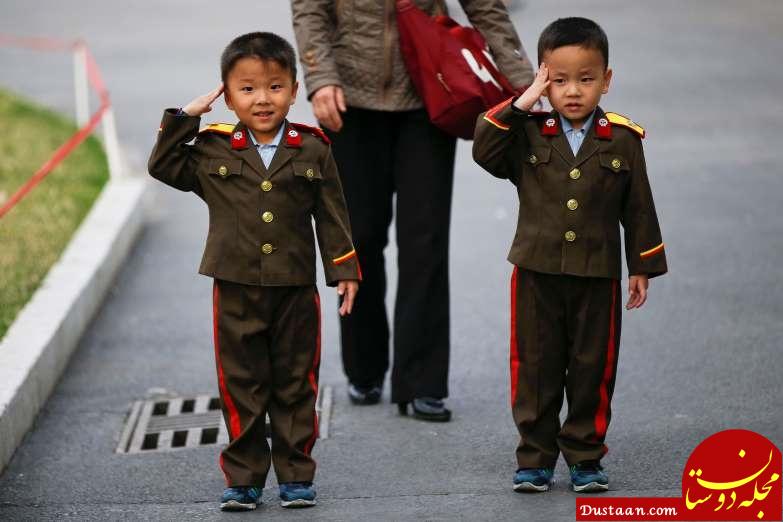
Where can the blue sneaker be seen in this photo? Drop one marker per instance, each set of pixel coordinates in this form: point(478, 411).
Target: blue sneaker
point(240, 498)
point(533, 479)
point(588, 477)
point(297, 494)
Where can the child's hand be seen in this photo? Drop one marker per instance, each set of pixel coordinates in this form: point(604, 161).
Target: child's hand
point(637, 288)
point(530, 97)
point(347, 289)
point(203, 103)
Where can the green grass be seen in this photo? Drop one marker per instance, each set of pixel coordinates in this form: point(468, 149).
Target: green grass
point(35, 232)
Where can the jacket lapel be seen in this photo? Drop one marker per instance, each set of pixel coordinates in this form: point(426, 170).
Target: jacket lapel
point(559, 141)
point(286, 150)
point(249, 153)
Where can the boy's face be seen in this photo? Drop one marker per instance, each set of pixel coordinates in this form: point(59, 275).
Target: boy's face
point(578, 77)
point(260, 93)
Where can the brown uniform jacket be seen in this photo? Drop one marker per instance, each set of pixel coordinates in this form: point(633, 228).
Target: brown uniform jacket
point(355, 44)
point(570, 208)
point(260, 220)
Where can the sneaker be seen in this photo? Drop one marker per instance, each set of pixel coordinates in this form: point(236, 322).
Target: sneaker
point(427, 408)
point(365, 395)
point(297, 494)
point(534, 479)
point(588, 477)
point(240, 498)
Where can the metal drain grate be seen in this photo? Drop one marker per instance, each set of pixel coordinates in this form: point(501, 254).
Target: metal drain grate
point(171, 423)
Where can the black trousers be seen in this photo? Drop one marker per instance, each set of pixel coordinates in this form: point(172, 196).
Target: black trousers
point(380, 155)
point(565, 337)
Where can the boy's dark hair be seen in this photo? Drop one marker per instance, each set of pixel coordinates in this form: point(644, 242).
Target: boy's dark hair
point(573, 31)
point(264, 46)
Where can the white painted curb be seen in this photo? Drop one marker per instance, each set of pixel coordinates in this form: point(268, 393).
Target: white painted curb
point(37, 347)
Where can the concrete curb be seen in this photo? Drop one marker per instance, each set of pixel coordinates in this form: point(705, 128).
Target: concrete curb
point(37, 347)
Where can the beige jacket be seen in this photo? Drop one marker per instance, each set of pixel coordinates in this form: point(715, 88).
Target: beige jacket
point(354, 44)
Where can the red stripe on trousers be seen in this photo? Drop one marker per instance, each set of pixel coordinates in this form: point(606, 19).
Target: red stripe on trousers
point(603, 392)
point(311, 375)
point(514, 352)
point(234, 428)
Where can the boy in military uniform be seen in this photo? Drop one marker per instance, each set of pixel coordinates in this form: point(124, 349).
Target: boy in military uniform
point(579, 173)
point(264, 180)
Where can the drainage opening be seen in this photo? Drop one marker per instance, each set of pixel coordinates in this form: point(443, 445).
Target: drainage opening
point(178, 422)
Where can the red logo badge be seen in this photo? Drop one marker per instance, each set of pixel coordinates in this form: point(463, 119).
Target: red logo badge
point(733, 475)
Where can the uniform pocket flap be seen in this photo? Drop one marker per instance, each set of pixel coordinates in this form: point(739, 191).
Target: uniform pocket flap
point(309, 171)
point(224, 167)
point(536, 156)
point(613, 162)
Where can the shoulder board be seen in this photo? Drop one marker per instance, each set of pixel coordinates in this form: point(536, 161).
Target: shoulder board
point(220, 128)
point(619, 119)
point(315, 131)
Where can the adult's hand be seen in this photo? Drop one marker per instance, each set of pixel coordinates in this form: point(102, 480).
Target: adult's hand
point(328, 103)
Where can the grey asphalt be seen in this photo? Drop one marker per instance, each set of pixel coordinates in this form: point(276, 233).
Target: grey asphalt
point(702, 356)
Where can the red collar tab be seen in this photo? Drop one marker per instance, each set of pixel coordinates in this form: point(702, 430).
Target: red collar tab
point(239, 140)
point(603, 129)
point(315, 131)
point(549, 127)
point(293, 138)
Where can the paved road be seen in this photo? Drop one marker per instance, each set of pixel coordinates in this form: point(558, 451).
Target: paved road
point(702, 356)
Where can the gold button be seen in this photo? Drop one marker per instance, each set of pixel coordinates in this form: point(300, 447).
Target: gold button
point(309, 173)
point(570, 236)
point(616, 163)
point(267, 217)
point(266, 186)
point(266, 248)
point(575, 174)
point(532, 158)
point(222, 170)
point(572, 204)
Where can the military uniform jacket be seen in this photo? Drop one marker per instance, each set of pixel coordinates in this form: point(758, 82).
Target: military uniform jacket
point(260, 219)
point(570, 208)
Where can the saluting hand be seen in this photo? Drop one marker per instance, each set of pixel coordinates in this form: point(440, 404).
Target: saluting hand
point(328, 103)
point(347, 289)
point(531, 96)
point(203, 103)
point(637, 288)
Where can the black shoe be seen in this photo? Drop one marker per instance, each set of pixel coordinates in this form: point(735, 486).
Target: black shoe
point(365, 395)
point(427, 409)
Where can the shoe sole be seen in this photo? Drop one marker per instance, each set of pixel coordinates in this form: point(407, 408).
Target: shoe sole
point(364, 401)
point(299, 503)
point(233, 505)
point(529, 487)
point(592, 487)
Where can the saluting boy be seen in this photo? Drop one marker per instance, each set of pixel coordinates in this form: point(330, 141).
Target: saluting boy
point(579, 174)
point(264, 180)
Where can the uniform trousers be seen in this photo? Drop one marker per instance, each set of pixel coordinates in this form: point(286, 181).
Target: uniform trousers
point(267, 354)
point(565, 335)
point(380, 155)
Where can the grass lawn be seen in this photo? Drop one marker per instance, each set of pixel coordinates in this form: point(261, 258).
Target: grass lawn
point(36, 231)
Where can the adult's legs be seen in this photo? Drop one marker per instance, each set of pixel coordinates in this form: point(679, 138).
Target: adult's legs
point(363, 153)
point(423, 177)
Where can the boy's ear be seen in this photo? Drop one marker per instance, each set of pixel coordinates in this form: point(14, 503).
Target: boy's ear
point(607, 81)
point(227, 99)
point(294, 90)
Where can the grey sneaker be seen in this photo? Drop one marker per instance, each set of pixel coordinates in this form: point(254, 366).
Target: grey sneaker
point(297, 494)
point(589, 477)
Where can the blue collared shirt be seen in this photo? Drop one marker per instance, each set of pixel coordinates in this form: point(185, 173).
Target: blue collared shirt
point(576, 137)
point(267, 150)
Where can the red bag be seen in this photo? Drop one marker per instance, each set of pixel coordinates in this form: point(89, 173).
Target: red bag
point(451, 68)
